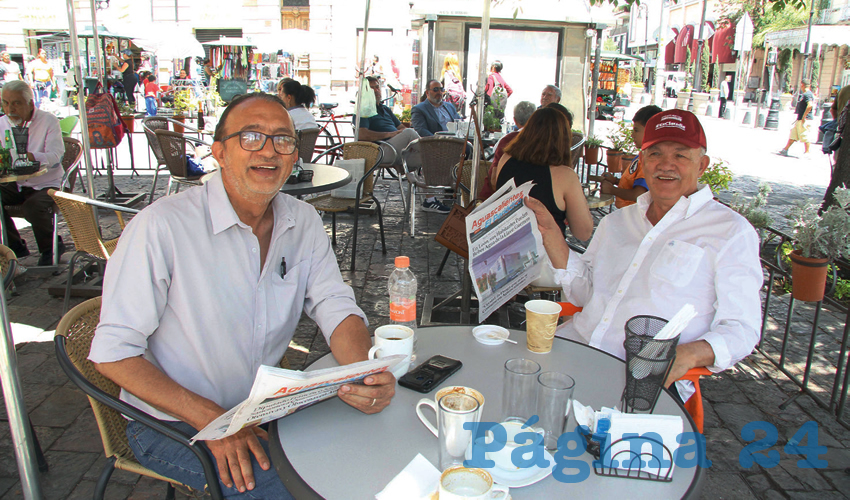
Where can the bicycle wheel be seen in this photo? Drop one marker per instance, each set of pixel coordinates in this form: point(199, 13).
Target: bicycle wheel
point(330, 141)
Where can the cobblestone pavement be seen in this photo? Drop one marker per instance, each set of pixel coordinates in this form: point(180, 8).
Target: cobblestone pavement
point(752, 391)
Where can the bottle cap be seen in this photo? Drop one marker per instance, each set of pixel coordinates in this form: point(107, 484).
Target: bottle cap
point(402, 261)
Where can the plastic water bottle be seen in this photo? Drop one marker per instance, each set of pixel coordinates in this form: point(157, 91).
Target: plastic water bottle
point(402, 288)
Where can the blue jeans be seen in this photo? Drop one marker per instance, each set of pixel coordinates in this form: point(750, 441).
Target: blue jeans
point(173, 460)
point(42, 91)
point(150, 104)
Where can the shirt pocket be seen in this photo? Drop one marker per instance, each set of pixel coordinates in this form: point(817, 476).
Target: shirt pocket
point(677, 263)
point(288, 294)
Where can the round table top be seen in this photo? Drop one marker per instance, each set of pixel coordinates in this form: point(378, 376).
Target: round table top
point(21, 178)
point(334, 451)
point(325, 178)
point(600, 200)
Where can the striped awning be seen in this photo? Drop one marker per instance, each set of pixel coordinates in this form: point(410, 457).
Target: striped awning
point(722, 48)
point(796, 38)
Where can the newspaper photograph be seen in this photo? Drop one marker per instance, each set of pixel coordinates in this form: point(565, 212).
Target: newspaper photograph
point(505, 247)
point(278, 392)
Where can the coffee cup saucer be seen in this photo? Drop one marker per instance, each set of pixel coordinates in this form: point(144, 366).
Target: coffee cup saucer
point(490, 334)
point(521, 477)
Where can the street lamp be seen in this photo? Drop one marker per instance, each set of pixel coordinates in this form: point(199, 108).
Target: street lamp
point(645, 9)
point(772, 120)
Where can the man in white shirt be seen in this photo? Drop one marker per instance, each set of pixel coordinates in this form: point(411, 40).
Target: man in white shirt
point(207, 285)
point(675, 246)
point(11, 70)
point(725, 94)
point(45, 146)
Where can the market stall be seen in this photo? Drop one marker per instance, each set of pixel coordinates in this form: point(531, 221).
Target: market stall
point(231, 60)
point(614, 74)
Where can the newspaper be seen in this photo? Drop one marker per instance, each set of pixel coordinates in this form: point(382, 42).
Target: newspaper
point(505, 247)
point(278, 392)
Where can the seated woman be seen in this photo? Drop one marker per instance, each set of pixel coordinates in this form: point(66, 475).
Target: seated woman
point(298, 98)
point(541, 153)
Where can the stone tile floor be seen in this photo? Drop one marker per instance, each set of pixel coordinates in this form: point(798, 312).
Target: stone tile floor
point(752, 391)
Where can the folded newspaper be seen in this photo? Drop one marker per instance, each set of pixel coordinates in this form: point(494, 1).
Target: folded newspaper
point(278, 392)
point(505, 247)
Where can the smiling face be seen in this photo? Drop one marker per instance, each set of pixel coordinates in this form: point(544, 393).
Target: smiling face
point(548, 96)
point(183, 74)
point(671, 170)
point(254, 177)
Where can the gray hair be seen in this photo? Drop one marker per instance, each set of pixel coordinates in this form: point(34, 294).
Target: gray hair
point(19, 86)
point(556, 89)
point(523, 111)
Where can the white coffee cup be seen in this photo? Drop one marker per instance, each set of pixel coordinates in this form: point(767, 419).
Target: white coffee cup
point(469, 391)
point(503, 457)
point(390, 340)
point(460, 483)
point(451, 127)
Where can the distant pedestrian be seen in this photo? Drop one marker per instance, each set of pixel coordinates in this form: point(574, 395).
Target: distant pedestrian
point(42, 78)
point(452, 83)
point(151, 89)
point(800, 130)
point(725, 93)
point(497, 89)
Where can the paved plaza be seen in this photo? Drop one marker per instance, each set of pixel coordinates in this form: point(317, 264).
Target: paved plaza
point(751, 392)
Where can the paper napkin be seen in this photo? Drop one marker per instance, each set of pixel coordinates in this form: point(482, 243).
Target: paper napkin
point(418, 481)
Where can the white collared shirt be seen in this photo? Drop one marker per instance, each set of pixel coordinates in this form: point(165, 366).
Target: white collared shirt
point(185, 288)
point(46, 145)
point(700, 252)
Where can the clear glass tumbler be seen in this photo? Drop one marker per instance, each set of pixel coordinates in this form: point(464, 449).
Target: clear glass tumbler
point(455, 409)
point(519, 391)
point(554, 398)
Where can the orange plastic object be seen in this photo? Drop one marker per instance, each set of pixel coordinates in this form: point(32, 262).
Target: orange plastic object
point(568, 309)
point(694, 404)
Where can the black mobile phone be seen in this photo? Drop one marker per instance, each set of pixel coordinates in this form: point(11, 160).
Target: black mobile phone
point(430, 374)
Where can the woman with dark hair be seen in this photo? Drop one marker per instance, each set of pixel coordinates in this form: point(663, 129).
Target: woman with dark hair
point(128, 71)
point(541, 153)
point(298, 98)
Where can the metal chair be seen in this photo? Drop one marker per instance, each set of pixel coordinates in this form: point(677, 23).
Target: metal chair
point(88, 240)
point(363, 194)
point(71, 165)
point(307, 143)
point(439, 155)
point(173, 146)
point(150, 125)
point(73, 343)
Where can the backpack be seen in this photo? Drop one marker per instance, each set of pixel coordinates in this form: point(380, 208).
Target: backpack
point(106, 129)
point(455, 93)
point(499, 98)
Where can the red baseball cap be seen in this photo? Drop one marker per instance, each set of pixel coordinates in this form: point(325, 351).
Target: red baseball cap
point(674, 125)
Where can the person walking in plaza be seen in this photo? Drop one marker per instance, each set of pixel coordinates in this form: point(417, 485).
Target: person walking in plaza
point(725, 94)
point(453, 85)
point(675, 246)
point(151, 90)
point(497, 84)
point(45, 146)
point(185, 344)
point(11, 70)
point(128, 73)
point(800, 129)
point(841, 172)
point(41, 73)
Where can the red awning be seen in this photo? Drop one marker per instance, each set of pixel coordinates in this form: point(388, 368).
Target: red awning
point(683, 41)
point(670, 52)
point(722, 50)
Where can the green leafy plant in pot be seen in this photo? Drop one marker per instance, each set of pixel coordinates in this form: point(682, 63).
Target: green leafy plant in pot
point(491, 123)
point(818, 239)
point(591, 150)
point(182, 103)
point(622, 143)
point(128, 115)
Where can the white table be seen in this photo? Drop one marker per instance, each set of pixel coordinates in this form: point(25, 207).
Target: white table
point(336, 452)
point(325, 178)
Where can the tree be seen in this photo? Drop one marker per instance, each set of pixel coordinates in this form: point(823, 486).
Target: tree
point(716, 75)
point(689, 68)
point(815, 72)
point(704, 61)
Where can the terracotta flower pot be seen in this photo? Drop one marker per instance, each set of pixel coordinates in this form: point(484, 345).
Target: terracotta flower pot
point(808, 277)
point(591, 155)
point(128, 122)
point(626, 161)
point(179, 128)
point(613, 159)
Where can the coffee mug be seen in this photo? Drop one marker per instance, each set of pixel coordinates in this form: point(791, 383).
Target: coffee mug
point(469, 391)
point(460, 483)
point(503, 457)
point(390, 340)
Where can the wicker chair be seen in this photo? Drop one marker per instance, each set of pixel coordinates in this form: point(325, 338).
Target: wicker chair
point(466, 178)
point(439, 156)
point(307, 143)
point(71, 164)
point(575, 149)
point(373, 154)
point(73, 343)
point(173, 146)
point(8, 265)
point(90, 245)
point(150, 125)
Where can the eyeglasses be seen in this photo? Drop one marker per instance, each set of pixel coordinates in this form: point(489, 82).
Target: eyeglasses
point(437, 89)
point(255, 141)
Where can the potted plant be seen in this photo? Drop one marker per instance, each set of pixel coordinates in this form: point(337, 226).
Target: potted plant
point(753, 210)
point(591, 150)
point(405, 116)
point(714, 93)
point(182, 104)
point(785, 100)
point(682, 98)
point(490, 122)
point(630, 150)
point(818, 239)
point(700, 102)
point(128, 115)
point(717, 176)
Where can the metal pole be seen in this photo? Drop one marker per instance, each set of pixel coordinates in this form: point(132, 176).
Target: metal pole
point(646, 49)
point(16, 409)
point(806, 54)
point(84, 122)
point(98, 56)
point(697, 69)
point(658, 95)
point(597, 59)
point(479, 92)
point(362, 74)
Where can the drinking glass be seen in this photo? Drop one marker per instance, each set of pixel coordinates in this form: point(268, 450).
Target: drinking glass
point(554, 398)
point(455, 409)
point(519, 394)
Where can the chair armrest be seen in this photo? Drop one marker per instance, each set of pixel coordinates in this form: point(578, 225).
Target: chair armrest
point(327, 151)
point(389, 147)
point(199, 448)
point(695, 373)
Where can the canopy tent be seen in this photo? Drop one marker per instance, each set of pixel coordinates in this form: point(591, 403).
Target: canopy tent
point(167, 43)
point(620, 57)
point(796, 38)
point(232, 42)
point(294, 41)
